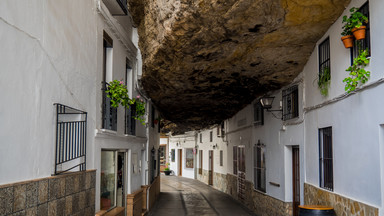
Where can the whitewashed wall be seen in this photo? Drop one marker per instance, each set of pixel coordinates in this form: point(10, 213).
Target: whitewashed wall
point(184, 141)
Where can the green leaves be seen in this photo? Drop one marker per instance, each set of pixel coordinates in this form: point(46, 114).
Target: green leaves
point(324, 80)
point(355, 20)
point(118, 93)
point(357, 73)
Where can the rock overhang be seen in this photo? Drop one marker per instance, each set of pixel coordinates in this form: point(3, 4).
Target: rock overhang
point(204, 60)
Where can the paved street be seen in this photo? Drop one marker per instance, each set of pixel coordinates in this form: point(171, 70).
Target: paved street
point(183, 196)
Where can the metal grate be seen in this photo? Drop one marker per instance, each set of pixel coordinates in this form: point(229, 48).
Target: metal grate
point(71, 133)
point(326, 158)
point(258, 114)
point(365, 43)
point(259, 167)
point(109, 112)
point(130, 122)
point(324, 58)
point(290, 103)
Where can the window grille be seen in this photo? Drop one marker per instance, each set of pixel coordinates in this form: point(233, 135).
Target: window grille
point(364, 43)
point(259, 167)
point(173, 155)
point(201, 138)
point(235, 160)
point(201, 162)
point(109, 112)
point(326, 158)
point(258, 114)
point(221, 157)
point(324, 58)
point(71, 139)
point(211, 136)
point(290, 103)
point(130, 122)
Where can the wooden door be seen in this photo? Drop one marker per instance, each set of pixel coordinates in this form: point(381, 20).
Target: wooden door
point(180, 162)
point(210, 174)
point(296, 179)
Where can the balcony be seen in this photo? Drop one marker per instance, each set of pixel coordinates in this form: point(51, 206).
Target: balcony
point(117, 7)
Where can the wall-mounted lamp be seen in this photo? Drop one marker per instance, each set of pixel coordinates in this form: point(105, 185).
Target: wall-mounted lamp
point(266, 103)
point(214, 146)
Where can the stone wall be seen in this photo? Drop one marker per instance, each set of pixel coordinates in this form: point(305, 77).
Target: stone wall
point(343, 206)
point(260, 203)
point(220, 181)
point(70, 194)
point(203, 177)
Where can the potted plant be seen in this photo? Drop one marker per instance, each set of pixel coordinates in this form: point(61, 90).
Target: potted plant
point(353, 25)
point(324, 80)
point(357, 73)
point(167, 171)
point(118, 93)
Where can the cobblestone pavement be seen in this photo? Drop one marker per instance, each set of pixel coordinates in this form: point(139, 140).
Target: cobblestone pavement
point(183, 196)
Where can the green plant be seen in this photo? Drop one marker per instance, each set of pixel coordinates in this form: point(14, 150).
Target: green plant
point(118, 93)
point(166, 167)
point(355, 20)
point(357, 73)
point(324, 80)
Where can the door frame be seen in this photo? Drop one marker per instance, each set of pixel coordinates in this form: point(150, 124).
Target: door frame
point(295, 180)
point(180, 162)
point(210, 168)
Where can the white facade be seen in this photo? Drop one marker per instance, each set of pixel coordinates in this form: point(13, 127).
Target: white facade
point(356, 119)
point(53, 53)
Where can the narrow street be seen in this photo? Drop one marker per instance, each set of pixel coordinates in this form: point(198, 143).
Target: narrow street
point(183, 196)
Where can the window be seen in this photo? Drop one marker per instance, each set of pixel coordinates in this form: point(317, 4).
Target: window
point(211, 136)
point(220, 130)
point(112, 179)
point(326, 158)
point(153, 116)
point(235, 160)
point(109, 114)
point(259, 167)
point(290, 102)
point(258, 114)
point(201, 138)
point(201, 162)
point(162, 155)
point(189, 158)
point(241, 158)
point(130, 122)
point(173, 155)
point(221, 157)
point(324, 60)
point(365, 43)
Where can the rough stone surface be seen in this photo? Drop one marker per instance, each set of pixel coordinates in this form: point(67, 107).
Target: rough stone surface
point(48, 196)
point(342, 205)
point(206, 59)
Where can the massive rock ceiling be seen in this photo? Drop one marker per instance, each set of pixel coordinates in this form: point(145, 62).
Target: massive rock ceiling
point(204, 60)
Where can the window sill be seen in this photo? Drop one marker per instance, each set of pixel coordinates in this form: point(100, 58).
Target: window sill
point(107, 131)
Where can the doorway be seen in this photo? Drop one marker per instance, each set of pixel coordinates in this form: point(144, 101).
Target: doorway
point(180, 162)
point(296, 179)
point(210, 164)
point(241, 173)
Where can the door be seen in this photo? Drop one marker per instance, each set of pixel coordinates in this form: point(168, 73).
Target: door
point(121, 187)
point(180, 162)
point(296, 179)
point(241, 173)
point(210, 174)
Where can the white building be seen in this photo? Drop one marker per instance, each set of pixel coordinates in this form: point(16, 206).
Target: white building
point(58, 55)
point(326, 150)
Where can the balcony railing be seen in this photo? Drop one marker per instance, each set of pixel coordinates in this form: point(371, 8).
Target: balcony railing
point(71, 139)
point(130, 122)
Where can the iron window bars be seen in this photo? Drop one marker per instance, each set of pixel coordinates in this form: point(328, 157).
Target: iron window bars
point(326, 158)
point(109, 112)
point(259, 167)
point(130, 122)
point(258, 114)
point(290, 102)
point(324, 58)
point(364, 43)
point(71, 139)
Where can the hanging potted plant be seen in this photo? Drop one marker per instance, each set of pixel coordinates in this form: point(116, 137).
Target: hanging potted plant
point(357, 74)
point(353, 25)
point(118, 93)
point(324, 80)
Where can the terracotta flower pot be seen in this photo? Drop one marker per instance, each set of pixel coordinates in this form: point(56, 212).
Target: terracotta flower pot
point(347, 41)
point(359, 33)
